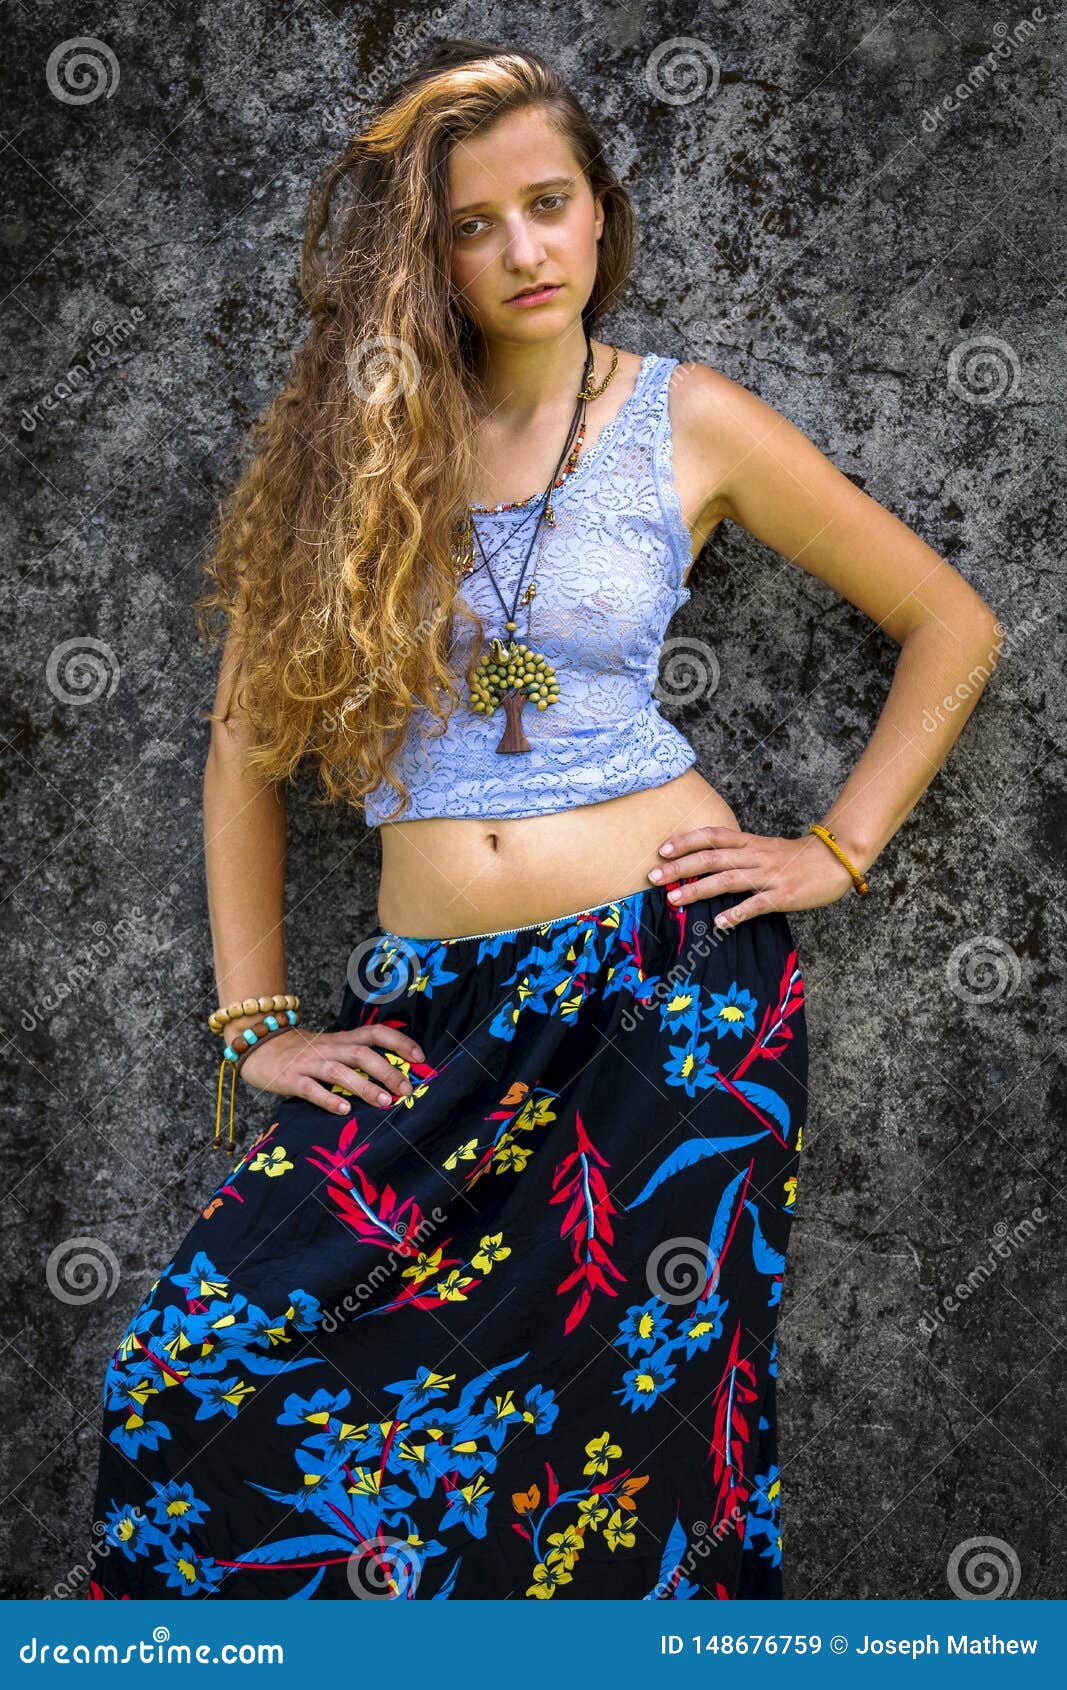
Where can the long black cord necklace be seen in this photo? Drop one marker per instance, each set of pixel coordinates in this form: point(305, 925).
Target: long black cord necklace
point(509, 671)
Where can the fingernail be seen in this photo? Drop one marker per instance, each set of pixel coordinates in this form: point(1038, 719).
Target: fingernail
point(667, 847)
point(418, 1055)
point(655, 874)
point(674, 896)
point(721, 921)
point(343, 1107)
point(383, 1097)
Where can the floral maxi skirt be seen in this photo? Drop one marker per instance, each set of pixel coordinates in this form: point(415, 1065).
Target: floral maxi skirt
point(514, 1336)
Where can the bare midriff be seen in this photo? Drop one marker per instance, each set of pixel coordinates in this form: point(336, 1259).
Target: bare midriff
point(451, 876)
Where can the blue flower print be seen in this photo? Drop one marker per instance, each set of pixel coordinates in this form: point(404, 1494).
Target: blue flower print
point(642, 1385)
point(731, 1012)
point(644, 1327)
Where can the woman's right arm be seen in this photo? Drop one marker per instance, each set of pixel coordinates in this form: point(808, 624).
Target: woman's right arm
point(244, 854)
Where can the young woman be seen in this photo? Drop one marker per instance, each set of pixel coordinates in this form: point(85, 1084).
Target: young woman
point(490, 1309)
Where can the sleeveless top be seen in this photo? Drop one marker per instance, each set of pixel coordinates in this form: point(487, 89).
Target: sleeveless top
point(608, 583)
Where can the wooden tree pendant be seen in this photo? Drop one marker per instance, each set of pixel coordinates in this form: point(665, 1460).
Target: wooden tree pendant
point(509, 675)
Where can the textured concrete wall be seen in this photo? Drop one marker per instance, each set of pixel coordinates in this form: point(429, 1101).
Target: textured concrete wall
point(829, 220)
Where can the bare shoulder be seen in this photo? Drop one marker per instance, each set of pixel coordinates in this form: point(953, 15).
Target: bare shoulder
point(712, 418)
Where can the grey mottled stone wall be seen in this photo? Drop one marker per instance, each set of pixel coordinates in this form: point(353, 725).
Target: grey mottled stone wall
point(829, 219)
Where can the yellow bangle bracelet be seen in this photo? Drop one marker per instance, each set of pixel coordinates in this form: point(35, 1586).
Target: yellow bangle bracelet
point(860, 882)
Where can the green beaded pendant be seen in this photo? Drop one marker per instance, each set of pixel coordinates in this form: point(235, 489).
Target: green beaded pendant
point(509, 675)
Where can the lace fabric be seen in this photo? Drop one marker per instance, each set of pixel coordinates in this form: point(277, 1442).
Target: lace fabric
point(609, 580)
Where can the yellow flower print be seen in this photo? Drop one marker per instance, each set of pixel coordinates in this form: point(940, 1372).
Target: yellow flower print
point(453, 1289)
point(790, 1189)
point(568, 1548)
point(490, 1250)
point(466, 1153)
point(510, 1155)
point(546, 1579)
point(504, 1407)
point(593, 1509)
point(271, 1164)
point(536, 1113)
point(679, 1003)
point(238, 1394)
point(424, 1266)
point(601, 1450)
point(619, 1533)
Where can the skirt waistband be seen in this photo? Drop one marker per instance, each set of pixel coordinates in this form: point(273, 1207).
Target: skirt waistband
point(631, 899)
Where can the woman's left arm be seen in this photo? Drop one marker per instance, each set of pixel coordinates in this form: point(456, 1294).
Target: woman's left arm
point(765, 475)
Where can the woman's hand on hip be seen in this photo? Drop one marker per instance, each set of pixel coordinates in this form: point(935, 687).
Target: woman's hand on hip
point(781, 874)
point(306, 1064)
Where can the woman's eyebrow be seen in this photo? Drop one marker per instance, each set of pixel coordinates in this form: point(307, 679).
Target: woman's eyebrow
point(530, 188)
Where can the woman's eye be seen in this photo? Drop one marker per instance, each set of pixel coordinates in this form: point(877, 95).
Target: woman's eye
point(464, 230)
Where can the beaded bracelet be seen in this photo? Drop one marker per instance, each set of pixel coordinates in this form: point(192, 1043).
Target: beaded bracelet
point(860, 882)
point(233, 1056)
point(250, 1006)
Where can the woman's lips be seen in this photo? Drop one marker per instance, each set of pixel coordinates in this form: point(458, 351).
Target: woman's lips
point(538, 298)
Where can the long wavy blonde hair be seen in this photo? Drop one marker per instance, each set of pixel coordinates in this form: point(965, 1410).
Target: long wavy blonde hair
point(333, 557)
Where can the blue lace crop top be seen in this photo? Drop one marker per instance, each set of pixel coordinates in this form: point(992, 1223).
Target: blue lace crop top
point(608, 582)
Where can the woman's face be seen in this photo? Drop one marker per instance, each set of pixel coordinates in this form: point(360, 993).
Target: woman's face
point(522, 212)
